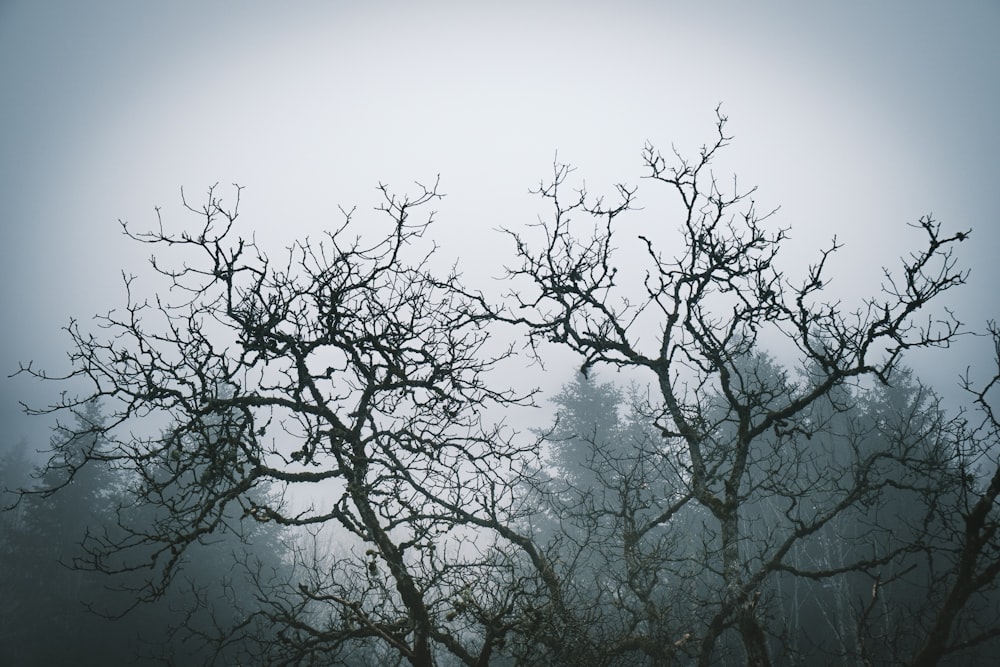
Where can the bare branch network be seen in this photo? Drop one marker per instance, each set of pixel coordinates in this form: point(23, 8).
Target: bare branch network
point(752, 507)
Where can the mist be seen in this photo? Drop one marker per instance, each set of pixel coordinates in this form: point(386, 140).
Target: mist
point(852, 122)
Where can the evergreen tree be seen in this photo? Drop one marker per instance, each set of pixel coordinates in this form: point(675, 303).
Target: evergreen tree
point(61, 605)
point(49, 623)
point(586, 430)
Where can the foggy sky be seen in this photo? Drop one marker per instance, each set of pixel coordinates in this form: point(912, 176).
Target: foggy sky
point(854, 117)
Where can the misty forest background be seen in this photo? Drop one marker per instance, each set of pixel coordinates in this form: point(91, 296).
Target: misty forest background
point(304, 456)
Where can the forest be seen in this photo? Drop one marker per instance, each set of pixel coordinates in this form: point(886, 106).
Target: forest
point(305, 457)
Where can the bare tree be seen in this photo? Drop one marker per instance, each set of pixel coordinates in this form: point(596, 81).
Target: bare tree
point(350, 378)
point(743, 428)
point(353, 380)
point(966, 614)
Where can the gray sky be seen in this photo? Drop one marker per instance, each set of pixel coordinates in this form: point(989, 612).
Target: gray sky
point(855, 117)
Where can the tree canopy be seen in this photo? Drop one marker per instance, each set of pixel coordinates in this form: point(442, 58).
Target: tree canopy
point(774, 487)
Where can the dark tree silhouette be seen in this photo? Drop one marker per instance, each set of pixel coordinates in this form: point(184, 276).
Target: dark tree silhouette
point(744, 428)
point(349, 374)
point(966, 613)
point(346, 392)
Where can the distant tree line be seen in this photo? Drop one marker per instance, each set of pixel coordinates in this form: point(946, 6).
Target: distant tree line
point(61, 607)
point(866, 587)
point(775, 487)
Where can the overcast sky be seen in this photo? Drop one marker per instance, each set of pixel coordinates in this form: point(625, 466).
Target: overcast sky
point(854, 117)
